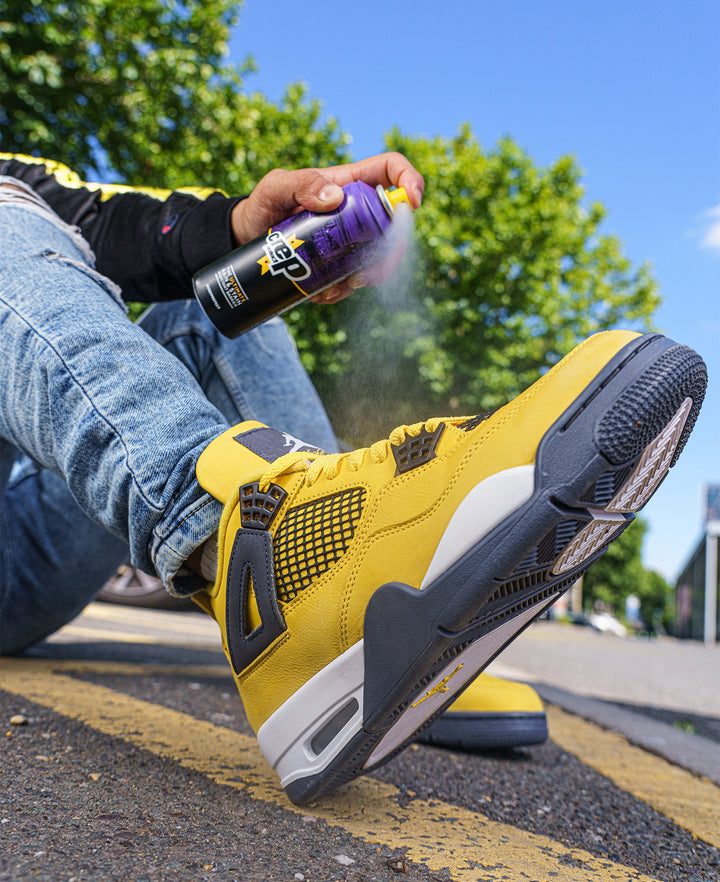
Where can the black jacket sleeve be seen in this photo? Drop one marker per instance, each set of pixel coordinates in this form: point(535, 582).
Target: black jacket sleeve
point(150, 242)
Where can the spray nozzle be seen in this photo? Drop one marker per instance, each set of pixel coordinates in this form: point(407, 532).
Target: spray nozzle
point(396, 196)
point(392, 198)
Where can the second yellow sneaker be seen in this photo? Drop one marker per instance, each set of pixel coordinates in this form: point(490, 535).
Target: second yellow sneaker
point(491, 714)
point(358, 593)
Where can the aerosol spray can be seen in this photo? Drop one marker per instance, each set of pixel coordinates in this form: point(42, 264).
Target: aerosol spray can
point(298, 257)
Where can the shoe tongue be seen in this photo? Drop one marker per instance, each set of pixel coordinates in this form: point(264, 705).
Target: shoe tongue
point(241, 450)
point(271, 444)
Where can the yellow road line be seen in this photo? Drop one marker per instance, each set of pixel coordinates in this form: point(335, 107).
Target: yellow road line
point(180, 622)
point(435, 834)
point(689, 800)
point(137, 669)
point(151, 638)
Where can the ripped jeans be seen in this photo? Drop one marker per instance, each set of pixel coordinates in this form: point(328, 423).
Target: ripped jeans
point(102, 421)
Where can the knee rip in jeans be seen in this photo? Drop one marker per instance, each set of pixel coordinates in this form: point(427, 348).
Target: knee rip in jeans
point(106, 284)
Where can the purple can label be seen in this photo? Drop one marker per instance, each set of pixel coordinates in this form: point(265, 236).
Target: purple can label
point(297, 258)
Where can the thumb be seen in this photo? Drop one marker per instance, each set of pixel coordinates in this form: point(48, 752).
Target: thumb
point(278, 195)
point(317, 192)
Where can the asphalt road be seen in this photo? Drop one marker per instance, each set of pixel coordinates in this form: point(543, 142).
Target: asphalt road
point(135, 761)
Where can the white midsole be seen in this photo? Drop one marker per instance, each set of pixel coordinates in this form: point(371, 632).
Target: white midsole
point(286, 737)
point(484, 507)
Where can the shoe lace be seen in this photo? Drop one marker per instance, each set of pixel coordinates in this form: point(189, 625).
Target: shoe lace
point(329, 464)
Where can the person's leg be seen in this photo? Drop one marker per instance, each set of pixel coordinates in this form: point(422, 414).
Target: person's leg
point(358, 593)
point(258, 376)
point(53, 558)
point(95, 400)
point(51, 554)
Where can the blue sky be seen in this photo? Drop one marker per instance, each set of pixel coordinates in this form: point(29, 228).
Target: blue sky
point(631, 88)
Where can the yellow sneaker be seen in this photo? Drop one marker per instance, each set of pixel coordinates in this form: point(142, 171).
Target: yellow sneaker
point(491, 714)
point(358, 593)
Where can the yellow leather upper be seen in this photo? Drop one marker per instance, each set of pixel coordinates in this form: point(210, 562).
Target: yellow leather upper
point(487, 694)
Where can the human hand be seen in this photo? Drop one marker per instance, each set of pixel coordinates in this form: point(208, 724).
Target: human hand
point(282, 193)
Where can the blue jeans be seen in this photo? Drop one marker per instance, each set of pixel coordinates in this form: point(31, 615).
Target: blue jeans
point(102, 421)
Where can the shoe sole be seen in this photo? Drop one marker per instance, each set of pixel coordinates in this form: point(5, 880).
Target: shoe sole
point(486, 731)
point(597, 465)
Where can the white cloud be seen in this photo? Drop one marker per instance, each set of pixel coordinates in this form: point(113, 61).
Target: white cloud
point(711, 234)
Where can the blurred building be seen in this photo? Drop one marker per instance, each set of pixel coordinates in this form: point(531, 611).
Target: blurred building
point(697, 591)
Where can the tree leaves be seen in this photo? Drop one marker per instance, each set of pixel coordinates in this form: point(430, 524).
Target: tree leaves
point(510, 267)
point(511, 270)
point(77, 75)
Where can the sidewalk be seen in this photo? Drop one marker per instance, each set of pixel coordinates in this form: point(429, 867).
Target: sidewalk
point(662, 694)
point(681, 676)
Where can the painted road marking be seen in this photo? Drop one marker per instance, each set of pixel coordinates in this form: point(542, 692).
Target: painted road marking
point(162, 620)
point(71, 633)
point(691, 801)
point(688, 800)
point(436, 834)
point(131, 625)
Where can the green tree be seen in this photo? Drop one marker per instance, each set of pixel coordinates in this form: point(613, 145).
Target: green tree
point(620, 572)
point(145, 88)
point(75, 74)
point(510, 271)
point(657, 602)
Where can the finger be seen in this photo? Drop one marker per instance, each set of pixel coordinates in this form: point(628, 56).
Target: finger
point(389, 169)
point(335, 293)
point(313, 189)
point(279, 194)
point(282, 192)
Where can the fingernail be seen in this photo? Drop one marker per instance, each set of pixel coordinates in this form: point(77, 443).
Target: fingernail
point(418, 195)
point(329, 193)
point(356, 282)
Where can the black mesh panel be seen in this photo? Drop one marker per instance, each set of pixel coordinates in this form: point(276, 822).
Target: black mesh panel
point(312, 537)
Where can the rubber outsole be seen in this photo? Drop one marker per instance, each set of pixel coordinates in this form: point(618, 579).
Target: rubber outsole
point(486, 731)
point(597, 465)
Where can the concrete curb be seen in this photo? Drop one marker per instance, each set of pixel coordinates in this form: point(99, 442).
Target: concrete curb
point(692, 752)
